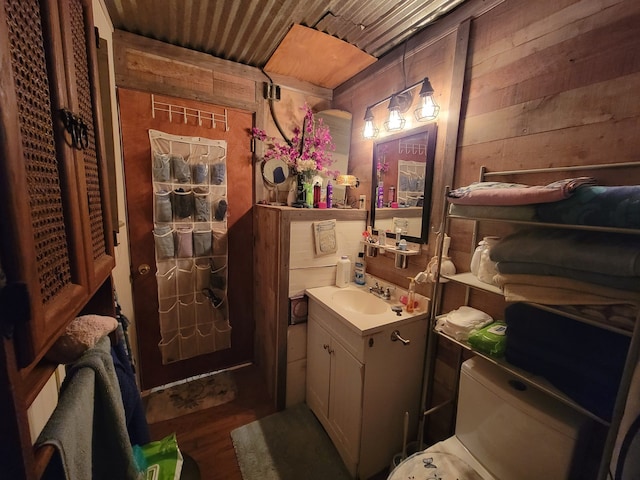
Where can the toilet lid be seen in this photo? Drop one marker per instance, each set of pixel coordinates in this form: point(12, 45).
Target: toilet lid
point(427, 465)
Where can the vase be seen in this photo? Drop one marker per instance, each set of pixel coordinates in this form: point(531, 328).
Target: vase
point(300, 200)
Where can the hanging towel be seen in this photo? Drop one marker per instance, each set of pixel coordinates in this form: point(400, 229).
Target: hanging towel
point(88, 428)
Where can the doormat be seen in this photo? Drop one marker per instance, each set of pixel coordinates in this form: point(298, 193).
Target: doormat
point(287, 445)
point(191, 396)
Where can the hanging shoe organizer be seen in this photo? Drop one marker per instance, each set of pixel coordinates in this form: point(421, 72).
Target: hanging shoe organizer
point(190, 237)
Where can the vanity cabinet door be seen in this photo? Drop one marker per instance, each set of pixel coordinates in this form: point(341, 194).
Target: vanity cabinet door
point(318, 370)
point(345, 400)
point(335, 381)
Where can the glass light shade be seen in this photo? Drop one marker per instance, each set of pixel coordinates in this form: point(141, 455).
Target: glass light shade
point(395, 121)
point(428, 109)
point(370, 130)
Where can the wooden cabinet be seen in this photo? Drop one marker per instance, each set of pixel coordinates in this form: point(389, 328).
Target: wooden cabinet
point(359, 386)
point(56, 234)
point(56, 241)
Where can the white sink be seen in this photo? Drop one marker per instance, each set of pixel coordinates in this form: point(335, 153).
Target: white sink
point(360, 302)
point(362, 310)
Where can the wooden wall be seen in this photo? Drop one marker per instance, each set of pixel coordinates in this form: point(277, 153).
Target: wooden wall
point(546, 83)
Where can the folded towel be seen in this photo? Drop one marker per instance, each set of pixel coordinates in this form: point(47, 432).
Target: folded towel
point(88, 428)
point(461, 322)
point(561, 291)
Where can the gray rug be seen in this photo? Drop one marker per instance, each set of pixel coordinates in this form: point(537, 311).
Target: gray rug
point(288, 445)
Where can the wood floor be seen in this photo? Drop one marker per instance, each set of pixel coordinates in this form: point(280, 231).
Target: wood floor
point(205, 435)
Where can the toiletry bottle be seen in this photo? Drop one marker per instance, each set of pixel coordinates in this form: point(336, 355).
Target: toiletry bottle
point(329, 195)
point(411, 295)
point(360, 268)
point(343, 271)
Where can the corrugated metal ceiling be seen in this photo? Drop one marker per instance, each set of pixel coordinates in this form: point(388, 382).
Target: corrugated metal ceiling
point(249, 31)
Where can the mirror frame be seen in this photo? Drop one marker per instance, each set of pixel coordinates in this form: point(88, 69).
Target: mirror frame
point(431, 130)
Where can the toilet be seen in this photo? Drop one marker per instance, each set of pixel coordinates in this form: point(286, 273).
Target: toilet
point(505, 430)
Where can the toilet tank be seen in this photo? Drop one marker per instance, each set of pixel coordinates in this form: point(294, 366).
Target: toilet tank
point(514, 430)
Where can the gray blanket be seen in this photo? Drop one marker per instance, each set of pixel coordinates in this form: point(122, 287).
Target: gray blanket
point(599, 252)
point(88, 428)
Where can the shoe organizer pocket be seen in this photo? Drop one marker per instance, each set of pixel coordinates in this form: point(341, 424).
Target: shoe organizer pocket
point(170, 348)
point(186, 277)
point(206, 338)
point(204, 309)
point(202, 207)
point(163, 241)
point(166, 279)
point(202, 241)
point(222, 331)
point(187, 311)
point(184, 242)
point(203, 270)
point(162, 208)
point(188, 342)
point(183, 204)
point(169, 318)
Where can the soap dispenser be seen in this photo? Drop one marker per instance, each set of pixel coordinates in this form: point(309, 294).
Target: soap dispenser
point(411, 295)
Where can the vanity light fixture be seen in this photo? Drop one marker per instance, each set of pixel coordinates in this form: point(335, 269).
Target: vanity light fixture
point(428, 109)
point(370, 130)
point(398, 104)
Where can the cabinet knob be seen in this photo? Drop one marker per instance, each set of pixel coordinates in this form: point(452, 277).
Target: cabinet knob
point(395, 336)
point(144, 269)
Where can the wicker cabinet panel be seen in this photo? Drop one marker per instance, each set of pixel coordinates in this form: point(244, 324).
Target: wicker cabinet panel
point(55, 233)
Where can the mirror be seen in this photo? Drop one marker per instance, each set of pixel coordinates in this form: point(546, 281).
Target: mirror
point(275, 173)
point(339, 123)
point(402, 180)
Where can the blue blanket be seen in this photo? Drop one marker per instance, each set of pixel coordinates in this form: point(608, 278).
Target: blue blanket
point(596, 205)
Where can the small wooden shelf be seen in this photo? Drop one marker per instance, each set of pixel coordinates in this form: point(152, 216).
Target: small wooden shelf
point(392, 249)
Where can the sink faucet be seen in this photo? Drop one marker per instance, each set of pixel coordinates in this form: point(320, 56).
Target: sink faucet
point(381, 292)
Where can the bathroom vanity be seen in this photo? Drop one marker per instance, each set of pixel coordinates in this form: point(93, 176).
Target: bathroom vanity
point(364, 371)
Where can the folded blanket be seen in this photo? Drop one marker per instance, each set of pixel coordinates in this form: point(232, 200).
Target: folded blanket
point(614, 281)
point(596, 205)
point(561, 291)
point(501, 193)
point(502, 212)
point(600, 252)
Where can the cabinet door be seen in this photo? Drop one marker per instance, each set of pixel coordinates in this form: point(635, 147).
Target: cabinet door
point(42, 201)
point(82, 98)
point(345, 400)
point(318, 370)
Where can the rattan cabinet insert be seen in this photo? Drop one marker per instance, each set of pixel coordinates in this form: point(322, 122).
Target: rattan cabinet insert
point(56, 240)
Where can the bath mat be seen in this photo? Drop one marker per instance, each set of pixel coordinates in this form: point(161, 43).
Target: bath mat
point(191, 396)
point(287, 445)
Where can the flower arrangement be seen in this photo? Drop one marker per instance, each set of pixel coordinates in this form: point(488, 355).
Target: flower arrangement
point(382, 168)
point(309, 151)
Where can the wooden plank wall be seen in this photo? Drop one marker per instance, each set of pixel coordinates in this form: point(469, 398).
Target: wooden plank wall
point(547, 83)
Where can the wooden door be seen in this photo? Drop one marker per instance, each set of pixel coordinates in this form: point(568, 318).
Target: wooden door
point(137, 119)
